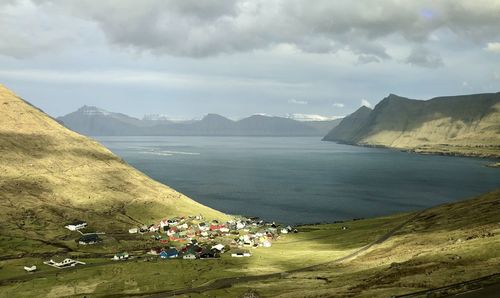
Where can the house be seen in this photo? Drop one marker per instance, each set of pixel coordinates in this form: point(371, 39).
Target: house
point(284, 231)
point(62, 262)
point(133, 230)
point(30, 269)
point(153, 228)
point(169, 253)
point(189, 256)
point(219, 247)
point(344, 228)
point(154, 251)
point(164, 223)
point(76, 225)
point(240, 225)
point(121, 256)
point(239, 253)
point(88, 239)
point(203, 227)
point(209, 254)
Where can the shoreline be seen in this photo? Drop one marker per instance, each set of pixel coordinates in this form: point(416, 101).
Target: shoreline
point(424, 150)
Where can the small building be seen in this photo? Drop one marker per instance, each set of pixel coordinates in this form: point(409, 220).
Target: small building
point(133, 230)
point(62, 262)
point(76, 225)
point(344, 228)
point(89, 239)
point(189, 256)
point(30, 269)
point(121, 256)
point(153, 228)
point(219, 247)
point(239, 253)
point(169, 253)
point(209, 254)
point(154, 251)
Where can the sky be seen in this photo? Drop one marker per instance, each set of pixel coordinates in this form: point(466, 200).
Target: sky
point(187, 58)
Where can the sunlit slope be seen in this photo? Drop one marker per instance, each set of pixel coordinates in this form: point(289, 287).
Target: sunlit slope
point(444, 245)
point(50, 175)
point(467, 124)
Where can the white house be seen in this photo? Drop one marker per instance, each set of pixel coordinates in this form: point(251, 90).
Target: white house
point(133, 230)
point(61, 262)
point(284, 231)
point(30, 269)
point(240, 254)
point(240, 225)
point(189, 256)
point(77, 225)
point(219, 247)
point(121, 256)
point(164, 223)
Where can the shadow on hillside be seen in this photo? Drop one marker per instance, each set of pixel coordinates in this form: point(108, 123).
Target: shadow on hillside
point(30, 145)
point(95, 154)
point(20, 187)
point(39, 146)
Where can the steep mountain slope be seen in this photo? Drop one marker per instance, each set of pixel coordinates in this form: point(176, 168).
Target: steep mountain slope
point(350, 126)
point(50, 175)
point(92, 121)
point(467, 124)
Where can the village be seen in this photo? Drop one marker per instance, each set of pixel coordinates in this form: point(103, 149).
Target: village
point(187, 238)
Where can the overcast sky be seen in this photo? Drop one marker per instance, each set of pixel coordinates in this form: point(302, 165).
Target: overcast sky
point(187, 58)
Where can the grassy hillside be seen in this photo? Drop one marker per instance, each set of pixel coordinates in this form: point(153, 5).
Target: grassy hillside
point(443, 245)
point(50, 175)
point(447, 244)
point(465, 125)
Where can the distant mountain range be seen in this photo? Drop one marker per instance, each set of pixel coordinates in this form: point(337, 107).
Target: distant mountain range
point(93, 121)
point(455, 125)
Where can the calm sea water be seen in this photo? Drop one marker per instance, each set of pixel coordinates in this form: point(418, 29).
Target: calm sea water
point(303, 180)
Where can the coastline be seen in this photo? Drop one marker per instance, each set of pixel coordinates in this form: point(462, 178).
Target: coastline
point(484, 152)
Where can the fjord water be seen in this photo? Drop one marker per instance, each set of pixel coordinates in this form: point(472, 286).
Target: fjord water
point(303, 180)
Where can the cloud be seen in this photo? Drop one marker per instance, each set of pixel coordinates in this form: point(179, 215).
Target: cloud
point(193, 28)
point(144, 78)
point(493, 47)
point(297, 102)
point(338, 105)
point(366, 103)
point(422, 57)
point(312, 117)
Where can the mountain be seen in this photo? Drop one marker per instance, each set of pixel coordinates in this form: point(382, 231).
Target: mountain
point(462, 125)
point(323, 126)
point(92, 121)
point(50, 175)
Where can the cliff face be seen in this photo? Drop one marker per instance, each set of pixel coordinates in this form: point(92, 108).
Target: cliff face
point(50, 175)
point(467, 124)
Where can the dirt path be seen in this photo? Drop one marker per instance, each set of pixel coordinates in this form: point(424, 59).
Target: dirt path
point(230, 281)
